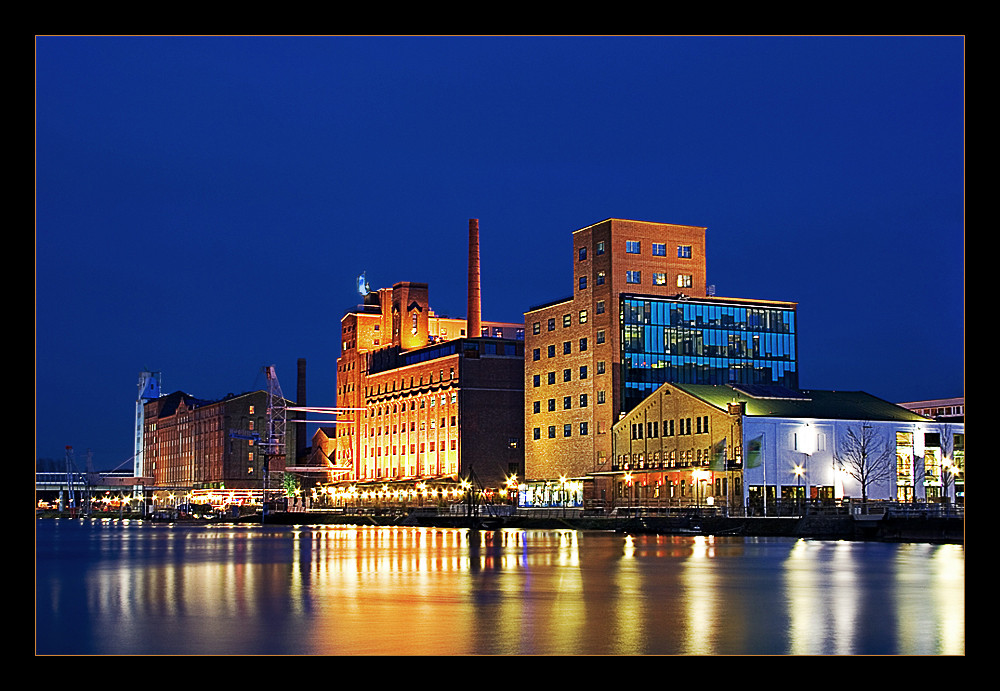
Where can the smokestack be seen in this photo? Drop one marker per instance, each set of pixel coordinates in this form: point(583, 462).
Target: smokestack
point(475, 318)
point(300, 401)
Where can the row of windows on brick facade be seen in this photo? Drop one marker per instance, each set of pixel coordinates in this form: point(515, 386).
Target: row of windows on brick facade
point(635, 247)
point(683, 427)
point(413, 448)
point(584, 430)
point(635, 277)
point(567, 349)
point(567, 320)
point(536, 380)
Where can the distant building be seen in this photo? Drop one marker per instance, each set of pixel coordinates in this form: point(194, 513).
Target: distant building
point(943, 409)
point(435, 399)
point(192, 443)
point(641, 314)
point(731, 446)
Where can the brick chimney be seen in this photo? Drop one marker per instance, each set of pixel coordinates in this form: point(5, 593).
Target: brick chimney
point(475, 318)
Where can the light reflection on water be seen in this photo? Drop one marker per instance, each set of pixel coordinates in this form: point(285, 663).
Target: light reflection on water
point(119, 588)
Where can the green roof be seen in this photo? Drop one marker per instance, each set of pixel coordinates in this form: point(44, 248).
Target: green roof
point(780, 402)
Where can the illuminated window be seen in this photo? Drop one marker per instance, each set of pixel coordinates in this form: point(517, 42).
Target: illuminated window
point(659, 279)
point(684, 251)
point(633, 246)
point(633, 277)
point(536, 328)
point(251, 410)
point(583, 316)
point(600, 278)
point(683, 280)
point(567, 321)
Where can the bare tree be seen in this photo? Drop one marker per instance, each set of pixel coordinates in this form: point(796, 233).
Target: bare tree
point(948, 461)
point(866, 456)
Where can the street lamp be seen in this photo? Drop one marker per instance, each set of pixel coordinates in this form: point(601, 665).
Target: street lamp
point(799, 472)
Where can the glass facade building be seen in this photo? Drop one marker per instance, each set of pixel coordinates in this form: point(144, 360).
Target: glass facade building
point(704, 341)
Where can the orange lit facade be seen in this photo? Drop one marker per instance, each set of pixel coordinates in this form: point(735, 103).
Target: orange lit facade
point(434, 401)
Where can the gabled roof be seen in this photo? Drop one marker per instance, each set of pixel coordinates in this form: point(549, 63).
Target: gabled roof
point(764, 401)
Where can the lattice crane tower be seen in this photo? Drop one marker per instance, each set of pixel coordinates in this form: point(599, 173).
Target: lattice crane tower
point(149, 388)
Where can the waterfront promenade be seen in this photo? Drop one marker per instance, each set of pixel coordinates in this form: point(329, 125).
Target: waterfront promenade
point(904, 523)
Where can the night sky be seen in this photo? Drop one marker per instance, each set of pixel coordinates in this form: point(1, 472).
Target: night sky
point(205, 205)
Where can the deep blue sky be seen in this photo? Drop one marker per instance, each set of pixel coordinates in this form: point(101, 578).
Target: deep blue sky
point(204, 205)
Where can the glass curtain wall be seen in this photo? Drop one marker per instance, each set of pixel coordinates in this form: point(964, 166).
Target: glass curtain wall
point(689, 342)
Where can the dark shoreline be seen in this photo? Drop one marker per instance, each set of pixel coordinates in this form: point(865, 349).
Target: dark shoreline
point(932, 529)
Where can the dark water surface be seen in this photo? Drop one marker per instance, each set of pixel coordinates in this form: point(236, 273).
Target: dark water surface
point(137, 588)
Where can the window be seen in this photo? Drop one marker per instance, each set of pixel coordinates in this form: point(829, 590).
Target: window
point(583, 400)
point(633, 247)
point(536, 407)
point(583, 282)
point(583, 344)
point(600, 306)
point(600, 366)
point(552, 351)
point(567, 321)
point(567, 402)
point(552, 404)
point(536, 433)
point(583, 428)
point(583, 253)
point(552, 377)
point(552, 324)
point(600, 247)
point(552, 431)
point(684, 251)
point(536, 380)
point(536, 354)
point(600, 278)
point(659, 249)
point(683, 280)
point(600, 397)
point(567, 375)
point(567, 347)
point(659, 279)
point(583, 316)
point(536, 328)
point(583, 371)
point(567, 430)
point(600, 337)
point(633, 277)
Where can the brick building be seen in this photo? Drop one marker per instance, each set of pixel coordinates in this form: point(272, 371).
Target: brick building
point(434, 396)
point(641, 314)
point(192, 443)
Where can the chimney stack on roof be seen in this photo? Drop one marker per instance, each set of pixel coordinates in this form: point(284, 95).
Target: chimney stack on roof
point(475, 318)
